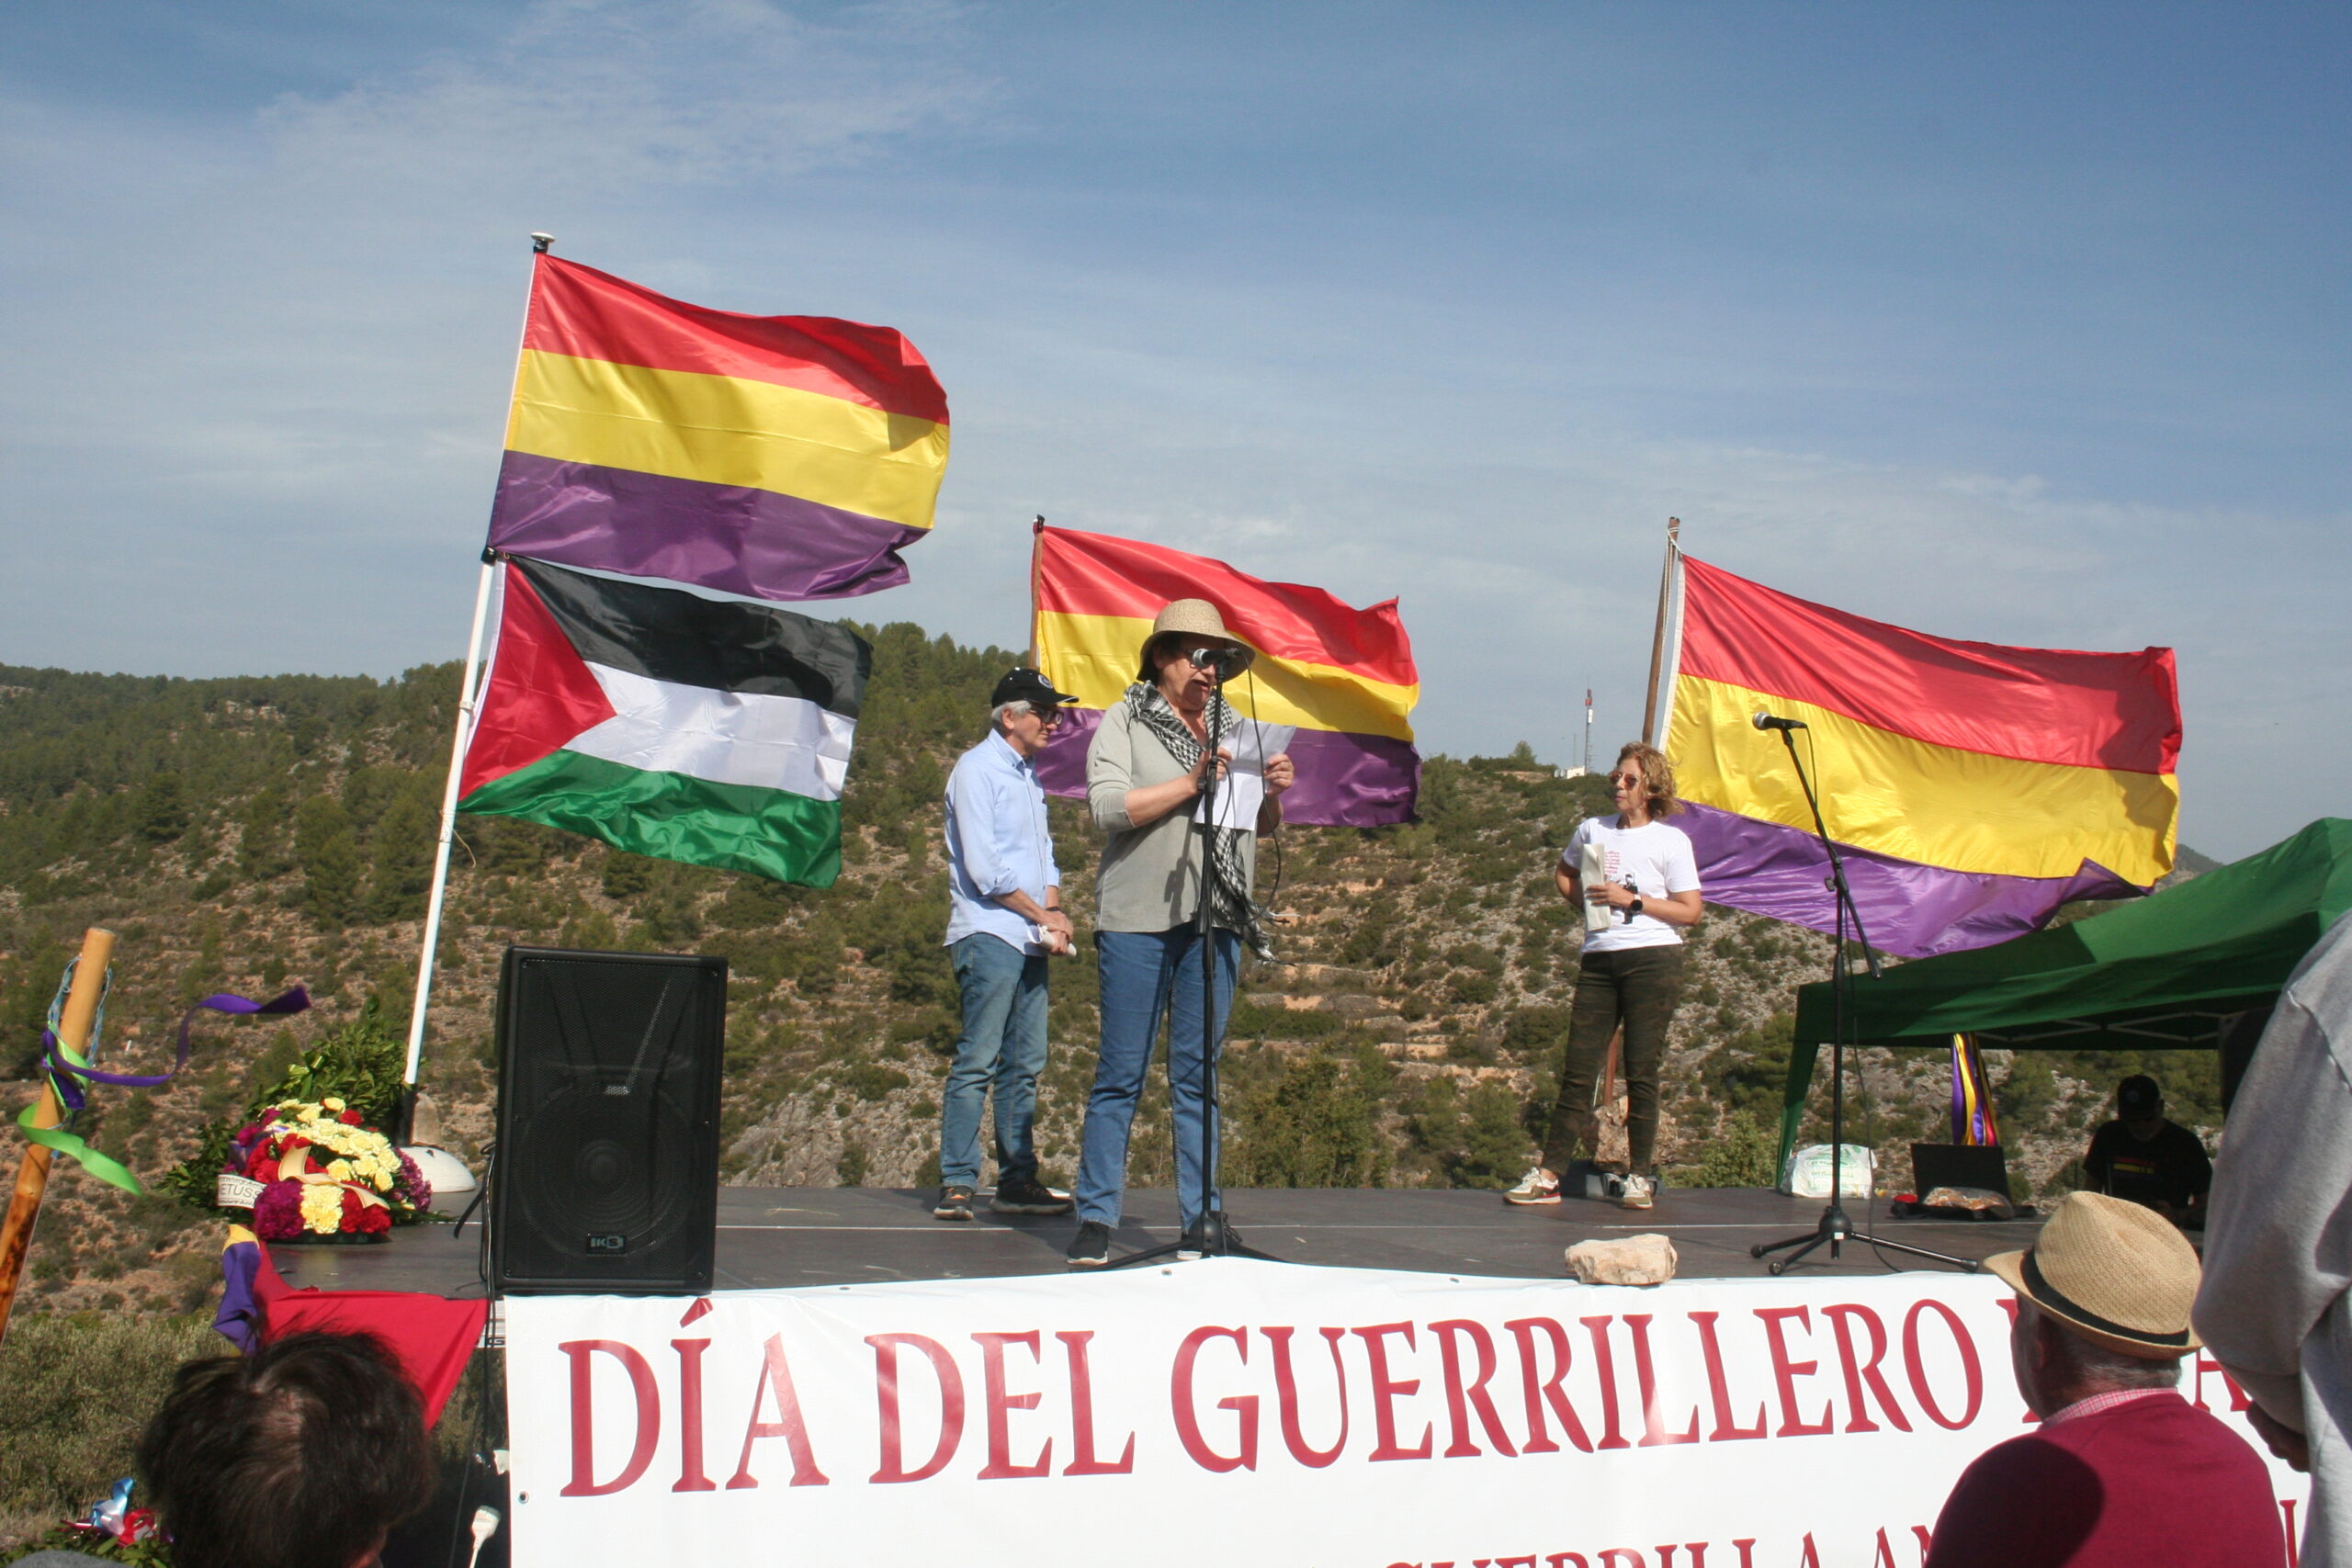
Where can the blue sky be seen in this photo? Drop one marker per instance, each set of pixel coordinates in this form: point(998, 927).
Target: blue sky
point(2021, 323)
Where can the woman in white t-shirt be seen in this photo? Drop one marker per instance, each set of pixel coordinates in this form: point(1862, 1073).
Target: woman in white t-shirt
point(1631, 973)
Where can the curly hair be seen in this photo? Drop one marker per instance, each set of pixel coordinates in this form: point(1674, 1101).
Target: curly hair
point(1658, 777)
point(303, 1455)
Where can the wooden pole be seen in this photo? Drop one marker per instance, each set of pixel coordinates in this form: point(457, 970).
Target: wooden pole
point(1658, 635)
point(32, 1170)
point(1036, 570)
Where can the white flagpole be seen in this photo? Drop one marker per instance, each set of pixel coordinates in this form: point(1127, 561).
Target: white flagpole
point(467, 696)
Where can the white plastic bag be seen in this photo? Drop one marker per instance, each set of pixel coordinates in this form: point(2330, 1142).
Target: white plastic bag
point(1807, 1173)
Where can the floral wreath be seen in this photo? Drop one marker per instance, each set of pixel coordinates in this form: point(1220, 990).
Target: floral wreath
point(363, 1184)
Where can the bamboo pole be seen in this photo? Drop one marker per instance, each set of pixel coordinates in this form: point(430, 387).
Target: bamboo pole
point(32, 1170)
point(1658, 634)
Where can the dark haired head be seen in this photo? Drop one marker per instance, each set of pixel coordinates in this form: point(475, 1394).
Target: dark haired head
point(301, 1455)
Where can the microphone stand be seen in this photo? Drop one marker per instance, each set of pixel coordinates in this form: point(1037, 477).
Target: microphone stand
point(1836, 1225)
point(1216, 1238)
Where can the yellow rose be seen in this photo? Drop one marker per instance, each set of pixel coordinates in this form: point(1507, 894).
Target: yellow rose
point(340, 1169)
point(323, 1208)
point(332, 1103)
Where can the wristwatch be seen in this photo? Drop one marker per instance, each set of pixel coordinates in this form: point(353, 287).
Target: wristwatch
point(1634, 907)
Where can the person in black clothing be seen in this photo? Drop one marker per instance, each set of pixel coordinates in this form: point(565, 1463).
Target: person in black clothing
point(2145, 1158)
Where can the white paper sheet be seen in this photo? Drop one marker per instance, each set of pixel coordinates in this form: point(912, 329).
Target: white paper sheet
point(1244, 789)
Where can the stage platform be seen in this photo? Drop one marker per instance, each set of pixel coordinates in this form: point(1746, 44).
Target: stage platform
point(772, 1237)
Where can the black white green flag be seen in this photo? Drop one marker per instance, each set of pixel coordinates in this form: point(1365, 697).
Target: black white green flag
point(713, 733)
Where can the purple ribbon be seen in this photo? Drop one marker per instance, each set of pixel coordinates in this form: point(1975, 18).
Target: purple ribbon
point(63, 1071)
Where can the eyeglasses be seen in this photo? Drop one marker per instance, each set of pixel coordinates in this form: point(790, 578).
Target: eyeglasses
point(1625, 781)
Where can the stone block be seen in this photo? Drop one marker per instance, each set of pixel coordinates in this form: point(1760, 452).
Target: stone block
point(1634, 1260)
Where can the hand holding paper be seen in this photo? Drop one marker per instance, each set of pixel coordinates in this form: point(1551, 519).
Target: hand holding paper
point(1243, 790)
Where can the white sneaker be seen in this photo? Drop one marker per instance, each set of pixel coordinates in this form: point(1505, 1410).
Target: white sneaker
point(1538, 1185)
point(1639, 1193)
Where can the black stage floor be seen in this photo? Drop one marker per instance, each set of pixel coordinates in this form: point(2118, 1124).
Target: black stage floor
point(772, 1237)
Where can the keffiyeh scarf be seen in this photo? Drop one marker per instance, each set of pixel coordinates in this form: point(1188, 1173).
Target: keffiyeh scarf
point(1230, 905)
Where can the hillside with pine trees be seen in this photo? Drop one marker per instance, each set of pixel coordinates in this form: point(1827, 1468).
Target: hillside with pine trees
point(247, 834)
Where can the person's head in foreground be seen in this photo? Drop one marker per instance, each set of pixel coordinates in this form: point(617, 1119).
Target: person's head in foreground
point(2103, 1300)
point(2121, 1470)
point(301, 1455)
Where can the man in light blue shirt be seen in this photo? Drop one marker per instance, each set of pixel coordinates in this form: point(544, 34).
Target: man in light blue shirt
point(1004, 918)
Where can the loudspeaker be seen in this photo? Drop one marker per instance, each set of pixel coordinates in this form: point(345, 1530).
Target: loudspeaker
point(606, 1180)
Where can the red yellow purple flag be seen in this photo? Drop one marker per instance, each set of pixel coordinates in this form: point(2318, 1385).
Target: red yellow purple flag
point(773, 456)
point(1972, 787)
point(1345, 677)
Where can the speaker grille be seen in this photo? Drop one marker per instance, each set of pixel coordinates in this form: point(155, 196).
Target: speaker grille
point(608, 1169)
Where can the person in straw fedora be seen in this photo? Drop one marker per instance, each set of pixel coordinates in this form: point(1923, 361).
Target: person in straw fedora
point(1143, 769)
point(2121, 1470)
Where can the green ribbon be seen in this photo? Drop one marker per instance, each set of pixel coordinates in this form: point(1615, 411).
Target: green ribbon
point(105, 1168)
point(62, 1139)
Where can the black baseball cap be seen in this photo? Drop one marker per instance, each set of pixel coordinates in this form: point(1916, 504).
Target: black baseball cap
point(2138, 1096)
point(1026, 686)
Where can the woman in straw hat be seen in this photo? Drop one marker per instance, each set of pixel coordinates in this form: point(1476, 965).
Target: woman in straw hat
point(1143, 772)
point(2121, 1470)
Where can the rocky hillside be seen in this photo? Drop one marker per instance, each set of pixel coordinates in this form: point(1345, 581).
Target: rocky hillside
point(245, 834)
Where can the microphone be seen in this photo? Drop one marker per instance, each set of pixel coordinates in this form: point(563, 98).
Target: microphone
point(1763, 720)
point(1224, 662)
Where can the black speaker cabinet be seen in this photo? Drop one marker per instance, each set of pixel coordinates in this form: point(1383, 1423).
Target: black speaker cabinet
point(606, 1176)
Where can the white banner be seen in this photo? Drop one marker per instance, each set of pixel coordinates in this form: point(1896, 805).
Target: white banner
point(1239, 1413)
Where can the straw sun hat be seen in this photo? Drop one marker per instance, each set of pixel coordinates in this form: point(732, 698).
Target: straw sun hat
point(1190, 617)
point(2116, 1274)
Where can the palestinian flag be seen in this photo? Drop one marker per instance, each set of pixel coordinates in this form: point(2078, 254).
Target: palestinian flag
point(710, 731)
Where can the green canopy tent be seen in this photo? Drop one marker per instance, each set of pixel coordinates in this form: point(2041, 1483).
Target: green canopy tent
point(2175, 968)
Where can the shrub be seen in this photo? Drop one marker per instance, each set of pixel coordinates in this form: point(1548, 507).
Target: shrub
point(1316, 1124)
point(1741, 1154)
point(1470, 987)
point(80, 1388)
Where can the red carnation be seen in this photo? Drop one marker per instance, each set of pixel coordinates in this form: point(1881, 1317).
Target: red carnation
point(349, 1118)
point(371, 1219)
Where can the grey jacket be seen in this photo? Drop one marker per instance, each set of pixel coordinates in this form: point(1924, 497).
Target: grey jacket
point(2276, 1304)
point(1150, 877)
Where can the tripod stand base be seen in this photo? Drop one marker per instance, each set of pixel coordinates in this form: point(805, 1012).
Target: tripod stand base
point(1836, 1228)
point(1217, 1239)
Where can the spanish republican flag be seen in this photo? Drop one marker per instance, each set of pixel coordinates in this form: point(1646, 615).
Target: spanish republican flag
point(666, 724)
point(1973, 788)
point(1344, 676)
point(773, 456)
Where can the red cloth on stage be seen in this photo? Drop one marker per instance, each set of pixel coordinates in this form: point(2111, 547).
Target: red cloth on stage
point(2154, 1481)
point(431, 1335)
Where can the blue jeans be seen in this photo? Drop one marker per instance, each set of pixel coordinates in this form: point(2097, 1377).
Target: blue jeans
point(1146, 974)
point(1003, 1043)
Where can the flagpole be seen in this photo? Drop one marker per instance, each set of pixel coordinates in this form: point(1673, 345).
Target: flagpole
point(467, 696)
point(1657, 635)
point(1036, 567)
